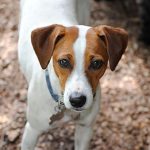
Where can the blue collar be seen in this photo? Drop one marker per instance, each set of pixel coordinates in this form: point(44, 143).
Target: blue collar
point(49, 86)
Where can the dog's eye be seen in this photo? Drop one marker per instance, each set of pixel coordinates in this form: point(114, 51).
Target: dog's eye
point(96, 64)
point(64, 63)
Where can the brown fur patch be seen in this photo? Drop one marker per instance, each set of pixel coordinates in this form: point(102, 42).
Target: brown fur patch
point(44, 40)
point(95, 49)
point(64, 50)
point(116, 40)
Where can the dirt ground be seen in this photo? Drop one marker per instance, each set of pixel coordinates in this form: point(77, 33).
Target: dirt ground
point(124, 120)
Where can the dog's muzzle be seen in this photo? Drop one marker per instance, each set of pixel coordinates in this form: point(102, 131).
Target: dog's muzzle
point(77, 100)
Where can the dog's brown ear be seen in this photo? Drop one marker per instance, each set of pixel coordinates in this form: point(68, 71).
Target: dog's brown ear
point(44, 41)
point(116, 40)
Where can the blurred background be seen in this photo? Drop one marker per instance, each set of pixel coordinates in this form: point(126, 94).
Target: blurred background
point(124, 119)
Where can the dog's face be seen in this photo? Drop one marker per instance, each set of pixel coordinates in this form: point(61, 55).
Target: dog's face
point(80, 56)
point(79, 59)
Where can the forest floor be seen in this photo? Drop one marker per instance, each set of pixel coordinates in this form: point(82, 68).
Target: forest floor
point(124, 119)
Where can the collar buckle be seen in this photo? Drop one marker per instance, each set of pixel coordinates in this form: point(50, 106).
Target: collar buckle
point(60, 107)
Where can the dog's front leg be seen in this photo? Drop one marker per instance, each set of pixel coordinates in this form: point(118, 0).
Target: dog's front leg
point(83, 136)
point(84, 126)
point(30, 137)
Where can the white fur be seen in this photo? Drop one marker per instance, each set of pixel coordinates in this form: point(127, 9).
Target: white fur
point(78, 78)
point(38, 13)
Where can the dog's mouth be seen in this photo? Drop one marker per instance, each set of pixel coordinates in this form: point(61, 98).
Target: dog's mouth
point(78, 109)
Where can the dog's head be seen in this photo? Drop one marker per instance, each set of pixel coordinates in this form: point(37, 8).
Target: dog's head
point(80, 56)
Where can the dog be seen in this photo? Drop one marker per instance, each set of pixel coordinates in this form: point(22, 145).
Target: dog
point(63, 63)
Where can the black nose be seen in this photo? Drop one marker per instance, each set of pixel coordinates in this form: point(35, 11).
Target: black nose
point(77, 100)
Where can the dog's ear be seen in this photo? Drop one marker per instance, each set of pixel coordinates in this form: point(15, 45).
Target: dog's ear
point(116, 40)
point(44, 41)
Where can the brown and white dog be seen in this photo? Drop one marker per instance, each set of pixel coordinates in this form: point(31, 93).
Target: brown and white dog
point(63, 62)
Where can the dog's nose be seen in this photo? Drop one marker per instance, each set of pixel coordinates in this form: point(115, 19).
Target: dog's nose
point(77, 100)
